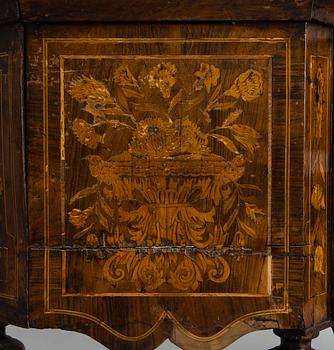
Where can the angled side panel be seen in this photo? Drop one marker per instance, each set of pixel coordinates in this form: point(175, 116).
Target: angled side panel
point(12, 179)
point(317, 154)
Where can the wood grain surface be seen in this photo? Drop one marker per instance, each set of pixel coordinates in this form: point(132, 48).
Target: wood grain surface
point(70, 281)
point(175, 10)
point(13, 218)
point(167, 179)
point(9, 11)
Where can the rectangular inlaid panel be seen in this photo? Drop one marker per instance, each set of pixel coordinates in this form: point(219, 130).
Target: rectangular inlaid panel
point(167, 166)
point(166, 152)
point(166, 163)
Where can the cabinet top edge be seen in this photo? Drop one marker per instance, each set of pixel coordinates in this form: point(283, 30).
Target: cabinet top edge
point(160, 10)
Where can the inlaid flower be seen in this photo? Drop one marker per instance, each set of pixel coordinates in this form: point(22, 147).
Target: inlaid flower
point(162, 77)
point(207, 77)
point(154, 137)
point(85, 133)
point(248, 86)
point(246, 136)
point(124, 77)
point(87, 89)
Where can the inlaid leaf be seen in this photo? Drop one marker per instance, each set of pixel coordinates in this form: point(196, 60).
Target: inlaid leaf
point(251, 199)
point(226, 192)
point(201, 261)
point(252, 211)
point(121, 98)
point(250, 187)
point(173, 258)
point(113, 111)
point(149, 107)
point(102, 219)
point(248, 230)
point(196, 100)
point(82, 233)
point(206, 115)
point(175, 100)
point(228, 203)
point(105, 206)
point(227, 142)
point(160, 261)
point(223, 106)
point(231, 220)
point(131, 93)
point(88, 191)
point(132, 261)
point(215, 93)
point(232, 118)
point(108, 193)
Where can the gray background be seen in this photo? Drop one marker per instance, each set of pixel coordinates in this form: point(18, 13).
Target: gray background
point(35, 339)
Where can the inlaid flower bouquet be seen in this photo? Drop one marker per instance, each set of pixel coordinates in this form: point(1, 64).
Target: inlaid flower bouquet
point(174, 181)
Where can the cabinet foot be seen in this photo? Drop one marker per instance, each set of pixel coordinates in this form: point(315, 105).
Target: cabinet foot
point(294, 340)
point(7, 342)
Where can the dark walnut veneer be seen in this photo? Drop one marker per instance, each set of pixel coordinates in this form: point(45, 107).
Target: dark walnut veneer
point(166, 170)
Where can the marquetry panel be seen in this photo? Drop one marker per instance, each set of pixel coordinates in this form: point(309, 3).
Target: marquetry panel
point(194, 130)
point(167, 168)
point(318, 170)
point(162, 166)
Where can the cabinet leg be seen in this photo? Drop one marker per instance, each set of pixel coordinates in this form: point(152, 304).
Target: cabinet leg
point(294, 340)
point(7, 342)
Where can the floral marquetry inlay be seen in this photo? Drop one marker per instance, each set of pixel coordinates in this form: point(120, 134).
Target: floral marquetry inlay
point(319, 113)
point(176, 182)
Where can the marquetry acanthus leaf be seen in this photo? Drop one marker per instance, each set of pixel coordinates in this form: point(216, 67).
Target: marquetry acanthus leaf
point(148, 195)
